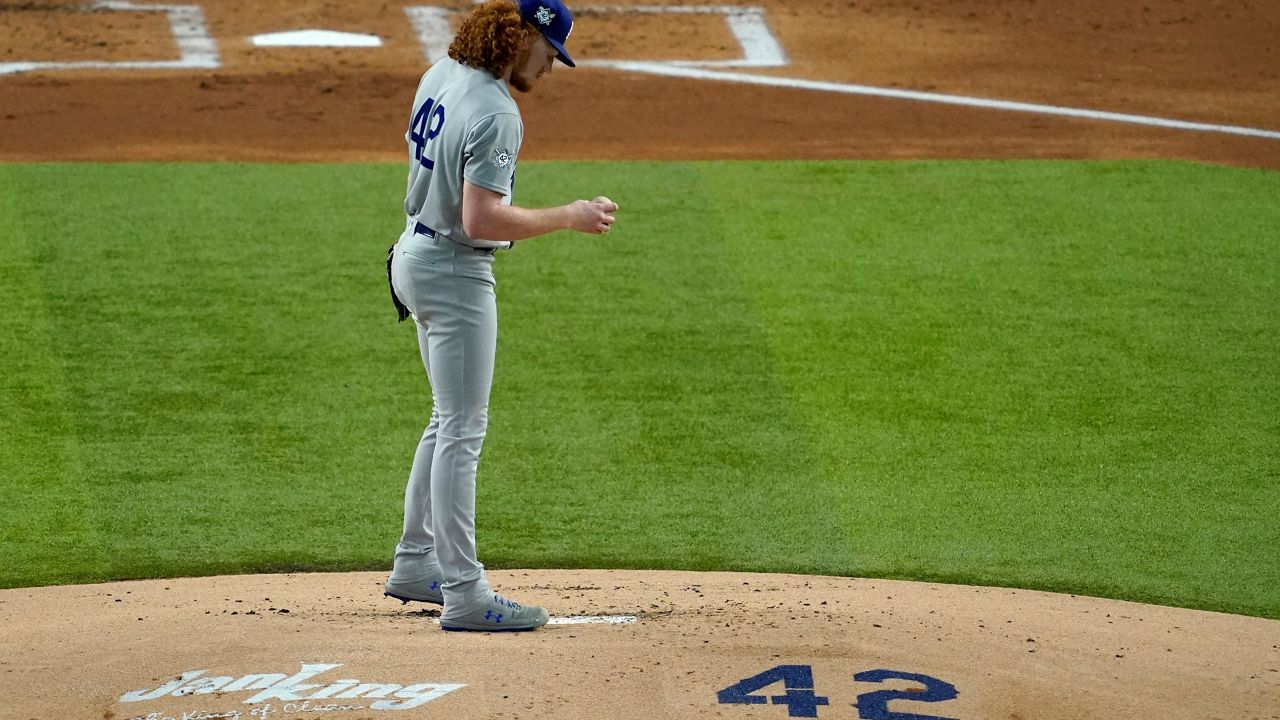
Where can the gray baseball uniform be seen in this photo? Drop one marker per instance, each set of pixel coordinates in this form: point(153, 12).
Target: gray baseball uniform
point(464, 126)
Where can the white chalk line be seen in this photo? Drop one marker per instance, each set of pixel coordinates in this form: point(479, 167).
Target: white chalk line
point(435, 33)
point(195, 46)
point(669, 70)
point(759, 47)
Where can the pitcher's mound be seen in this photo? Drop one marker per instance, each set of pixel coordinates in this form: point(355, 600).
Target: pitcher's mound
point(625, 644)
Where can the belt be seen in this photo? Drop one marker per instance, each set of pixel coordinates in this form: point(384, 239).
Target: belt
point(420, 229)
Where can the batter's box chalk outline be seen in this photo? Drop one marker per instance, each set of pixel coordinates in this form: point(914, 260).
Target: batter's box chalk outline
point(760, 49)
point(197, 47)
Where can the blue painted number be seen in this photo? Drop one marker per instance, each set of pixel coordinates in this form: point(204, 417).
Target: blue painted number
point(426, 125)
point(798, 681)
point(875, 706)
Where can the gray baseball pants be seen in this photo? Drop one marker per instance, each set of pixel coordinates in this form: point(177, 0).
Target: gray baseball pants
point(449, 288)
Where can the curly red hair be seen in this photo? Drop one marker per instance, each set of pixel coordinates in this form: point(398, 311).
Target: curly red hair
point(490, 37)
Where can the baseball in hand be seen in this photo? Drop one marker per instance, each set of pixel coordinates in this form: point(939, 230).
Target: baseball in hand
point(608, 207)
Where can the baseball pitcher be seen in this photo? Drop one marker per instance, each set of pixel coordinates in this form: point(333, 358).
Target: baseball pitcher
point(464, 139)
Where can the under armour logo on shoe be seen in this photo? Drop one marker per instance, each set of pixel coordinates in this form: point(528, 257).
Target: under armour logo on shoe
point(435, 584)
point(491, 615)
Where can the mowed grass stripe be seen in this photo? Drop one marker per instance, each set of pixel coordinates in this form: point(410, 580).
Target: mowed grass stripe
point(1052, 375)
point(1061, 376)
point(211, 322)
point(638, 415)
point(46, 519)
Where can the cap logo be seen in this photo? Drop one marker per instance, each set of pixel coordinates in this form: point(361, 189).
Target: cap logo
point(544, 15)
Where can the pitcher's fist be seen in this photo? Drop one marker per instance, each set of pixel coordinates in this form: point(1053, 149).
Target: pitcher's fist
point(592, 216)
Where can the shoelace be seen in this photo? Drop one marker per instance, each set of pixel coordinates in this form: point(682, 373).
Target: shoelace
point(503, 601)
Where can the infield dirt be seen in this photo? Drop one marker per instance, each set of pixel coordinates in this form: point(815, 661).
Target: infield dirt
point(1209, 63)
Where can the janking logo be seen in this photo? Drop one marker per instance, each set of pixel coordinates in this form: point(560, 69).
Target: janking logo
point(276, 686)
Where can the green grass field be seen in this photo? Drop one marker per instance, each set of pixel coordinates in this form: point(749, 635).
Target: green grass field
point(1050, 375)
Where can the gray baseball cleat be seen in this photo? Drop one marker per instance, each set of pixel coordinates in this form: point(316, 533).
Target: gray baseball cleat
point(427, 591)
point(496, 614)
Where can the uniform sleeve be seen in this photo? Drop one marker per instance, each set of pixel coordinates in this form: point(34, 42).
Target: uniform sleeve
point(489, 159)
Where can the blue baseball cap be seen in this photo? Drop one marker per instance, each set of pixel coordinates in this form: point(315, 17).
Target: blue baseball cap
point(553, 20)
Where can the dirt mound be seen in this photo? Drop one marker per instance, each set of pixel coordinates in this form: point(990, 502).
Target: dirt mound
point(625, 644)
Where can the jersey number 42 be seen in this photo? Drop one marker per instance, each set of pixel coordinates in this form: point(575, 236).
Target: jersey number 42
point(426, 125)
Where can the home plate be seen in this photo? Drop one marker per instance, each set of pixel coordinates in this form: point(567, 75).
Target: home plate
point(316, 38)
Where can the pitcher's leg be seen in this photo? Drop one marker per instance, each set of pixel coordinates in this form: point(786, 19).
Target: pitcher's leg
point(415, 573)
point(462, 346)
point(415, 558)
